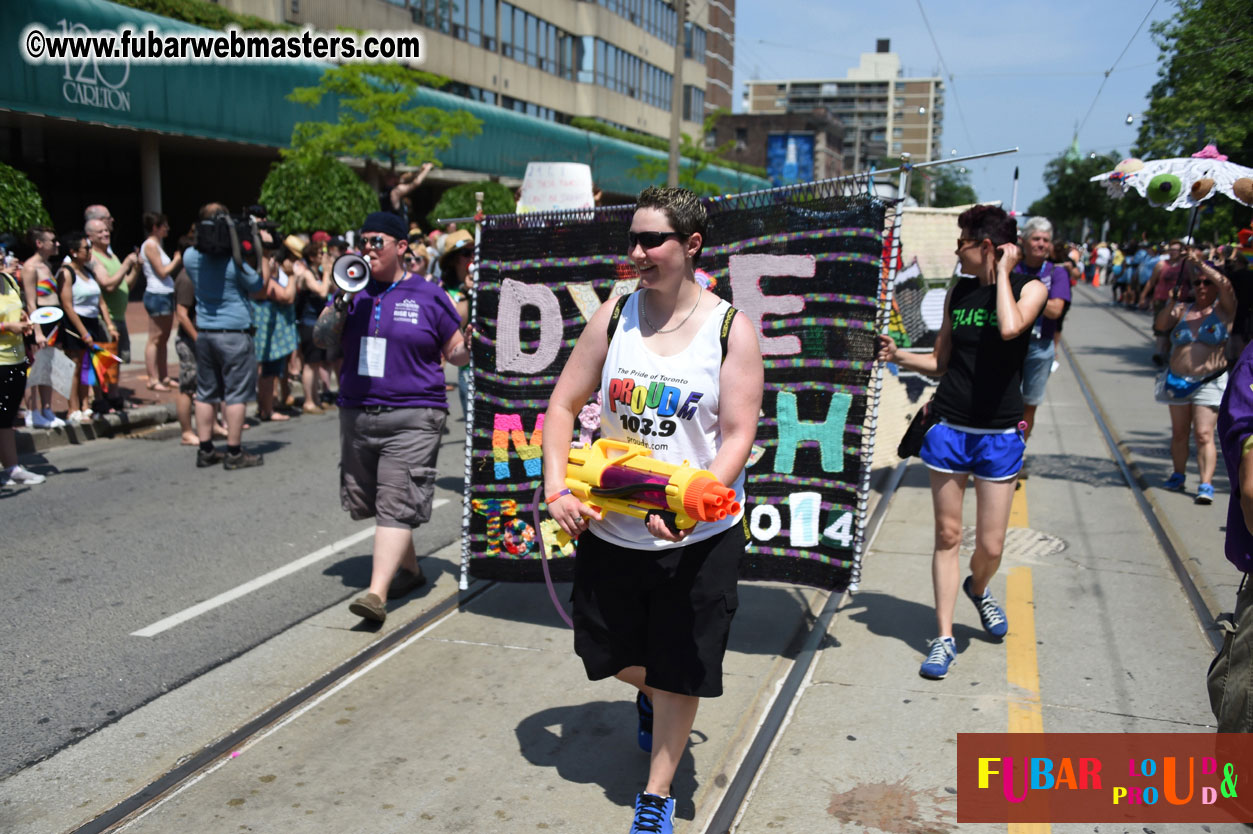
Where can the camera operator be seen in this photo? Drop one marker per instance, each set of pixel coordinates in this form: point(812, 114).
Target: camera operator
point(226, 368)
point(392, 403)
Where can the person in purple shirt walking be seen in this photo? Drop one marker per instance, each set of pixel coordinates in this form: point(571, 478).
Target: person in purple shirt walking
point(1037, 249)
point(392, 404)
point(1230, 676)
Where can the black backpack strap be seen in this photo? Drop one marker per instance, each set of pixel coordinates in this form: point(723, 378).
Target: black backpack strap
point(613, 318)
point(724, 333)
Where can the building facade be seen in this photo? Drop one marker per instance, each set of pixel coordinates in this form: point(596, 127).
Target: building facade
point(885, 114)
point(609, 60)
point(814, 140)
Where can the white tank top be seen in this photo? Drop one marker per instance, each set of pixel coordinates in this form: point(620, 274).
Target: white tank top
point(677, 418)
point(86, 295)
point(154, 283)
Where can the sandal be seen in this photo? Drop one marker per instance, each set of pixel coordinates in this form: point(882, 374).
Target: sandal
point(275, 416)
point(158, 386)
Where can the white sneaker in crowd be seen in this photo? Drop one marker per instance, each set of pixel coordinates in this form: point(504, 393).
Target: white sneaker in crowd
point(19, 475)
point(74, 418)
point(30, 419)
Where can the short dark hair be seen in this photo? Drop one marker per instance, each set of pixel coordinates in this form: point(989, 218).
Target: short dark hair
point(71, 241)
point(988, 223)
point(682, 208)
point(153, 219)
point(34, 233)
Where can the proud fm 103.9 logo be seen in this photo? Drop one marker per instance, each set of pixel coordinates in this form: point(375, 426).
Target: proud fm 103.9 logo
point(1103, 777)
point(89, 83)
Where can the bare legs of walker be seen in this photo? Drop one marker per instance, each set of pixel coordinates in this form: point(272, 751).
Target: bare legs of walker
point(673, 717)
point(394, 573)
point(993, 501)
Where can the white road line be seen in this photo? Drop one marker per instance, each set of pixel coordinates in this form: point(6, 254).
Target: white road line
point(260, 582)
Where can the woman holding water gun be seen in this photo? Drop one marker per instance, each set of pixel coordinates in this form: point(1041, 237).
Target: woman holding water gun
point(680, 375)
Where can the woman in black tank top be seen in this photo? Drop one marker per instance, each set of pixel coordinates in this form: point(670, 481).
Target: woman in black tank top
point(978, 354)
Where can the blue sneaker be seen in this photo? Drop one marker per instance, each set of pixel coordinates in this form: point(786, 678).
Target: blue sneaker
point(990, 613)
point(1175, 482)
point(941, 653)
point(653, 815)
point(1205, 494)
point(644, 735)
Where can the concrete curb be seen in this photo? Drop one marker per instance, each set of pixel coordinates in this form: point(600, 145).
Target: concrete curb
point(30, 441)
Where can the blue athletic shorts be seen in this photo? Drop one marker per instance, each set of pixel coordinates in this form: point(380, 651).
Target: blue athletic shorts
point(988, 454)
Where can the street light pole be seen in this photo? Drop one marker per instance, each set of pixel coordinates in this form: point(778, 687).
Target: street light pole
point(676, 92)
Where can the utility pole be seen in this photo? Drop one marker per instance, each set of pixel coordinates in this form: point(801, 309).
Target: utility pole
point(676, 91)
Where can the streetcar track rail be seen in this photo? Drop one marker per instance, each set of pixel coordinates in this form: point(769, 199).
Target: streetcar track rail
point(1200, 595)
point(212, 754)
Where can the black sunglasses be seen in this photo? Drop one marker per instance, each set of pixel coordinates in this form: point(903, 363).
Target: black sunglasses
point(649, 240)
point(1204, 282)
point(374, 241)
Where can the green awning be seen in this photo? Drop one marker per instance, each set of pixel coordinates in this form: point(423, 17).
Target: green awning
point(247, 103)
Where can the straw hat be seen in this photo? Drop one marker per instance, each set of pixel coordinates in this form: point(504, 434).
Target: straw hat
point(296, 245)
point(454, 242)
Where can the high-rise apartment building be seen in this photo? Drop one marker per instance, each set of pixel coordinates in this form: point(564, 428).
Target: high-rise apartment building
point(884, 113)
point(611, 60)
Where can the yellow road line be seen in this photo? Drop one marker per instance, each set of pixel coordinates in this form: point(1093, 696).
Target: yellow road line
point(1022, 668)
point(1018, 509)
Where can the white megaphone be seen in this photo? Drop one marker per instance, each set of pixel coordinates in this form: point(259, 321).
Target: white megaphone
point(351, 272)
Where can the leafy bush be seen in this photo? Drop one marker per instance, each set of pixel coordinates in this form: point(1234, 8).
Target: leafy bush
point(20, 204)
point(305, 196)
point(459, 201)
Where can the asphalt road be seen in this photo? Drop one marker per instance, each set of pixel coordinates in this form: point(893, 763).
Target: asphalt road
point(127, 532)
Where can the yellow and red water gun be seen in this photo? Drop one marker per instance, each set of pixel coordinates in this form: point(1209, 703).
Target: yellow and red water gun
point(612, 476)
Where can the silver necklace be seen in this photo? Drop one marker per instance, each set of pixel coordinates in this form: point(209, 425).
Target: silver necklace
point(656, 329)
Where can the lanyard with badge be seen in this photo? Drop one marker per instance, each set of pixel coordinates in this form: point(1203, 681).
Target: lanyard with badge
point(373, 356)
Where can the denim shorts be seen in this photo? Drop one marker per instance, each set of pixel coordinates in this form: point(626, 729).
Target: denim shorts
point(159, 303)
point(1036, 369)
point(988, 454)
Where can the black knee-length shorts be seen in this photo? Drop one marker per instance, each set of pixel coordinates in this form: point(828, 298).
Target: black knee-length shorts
point(667, 610)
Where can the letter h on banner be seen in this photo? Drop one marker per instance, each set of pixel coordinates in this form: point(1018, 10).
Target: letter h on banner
point(793, 431)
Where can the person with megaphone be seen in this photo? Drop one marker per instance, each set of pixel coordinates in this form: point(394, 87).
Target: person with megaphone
point(393, 330)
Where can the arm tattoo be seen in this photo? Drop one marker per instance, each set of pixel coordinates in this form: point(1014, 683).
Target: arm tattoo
point(329, 330)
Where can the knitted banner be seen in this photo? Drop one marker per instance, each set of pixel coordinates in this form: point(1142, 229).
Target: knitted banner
point(804, 266)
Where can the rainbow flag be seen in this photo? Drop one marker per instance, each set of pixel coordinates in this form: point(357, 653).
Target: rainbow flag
point(45, 286)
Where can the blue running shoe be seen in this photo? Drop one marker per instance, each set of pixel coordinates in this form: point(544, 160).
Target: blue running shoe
point(940, 655)
point(990, 613)
point(1205, 494)
point(1175, 482)
point(645, 733)
point(653, 815)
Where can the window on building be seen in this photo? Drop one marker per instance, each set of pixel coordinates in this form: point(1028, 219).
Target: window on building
point(897, 132)
point(586, 60)
point(474, 22)
point(489, 25)
point(506, 30)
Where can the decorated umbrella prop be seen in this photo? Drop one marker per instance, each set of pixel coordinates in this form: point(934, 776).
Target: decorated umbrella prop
point(1182, 182)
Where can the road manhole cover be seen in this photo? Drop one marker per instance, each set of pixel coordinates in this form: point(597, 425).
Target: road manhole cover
point(1021, 543)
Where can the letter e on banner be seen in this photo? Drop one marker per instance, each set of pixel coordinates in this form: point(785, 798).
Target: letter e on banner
point(746, 274)
point(514, 295)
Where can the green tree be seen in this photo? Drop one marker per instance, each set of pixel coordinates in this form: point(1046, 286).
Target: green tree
point(1204, 93)
point(1204, 89)
point(307, 195)
point(20, 204)
point(1071, 198)
point(459, 201)
point(378, 119)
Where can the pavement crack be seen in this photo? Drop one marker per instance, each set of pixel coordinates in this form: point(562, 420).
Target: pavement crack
point(481, 643)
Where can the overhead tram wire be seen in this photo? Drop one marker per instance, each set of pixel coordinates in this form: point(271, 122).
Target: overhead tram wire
point(1131, 40)
point(952, 84)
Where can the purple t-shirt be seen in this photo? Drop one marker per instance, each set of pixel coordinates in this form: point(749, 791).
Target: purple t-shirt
point(1057, 279)
point(416, 319)
point(1235, 424)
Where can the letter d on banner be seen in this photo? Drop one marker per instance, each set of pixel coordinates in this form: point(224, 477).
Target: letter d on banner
point(514, 295)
